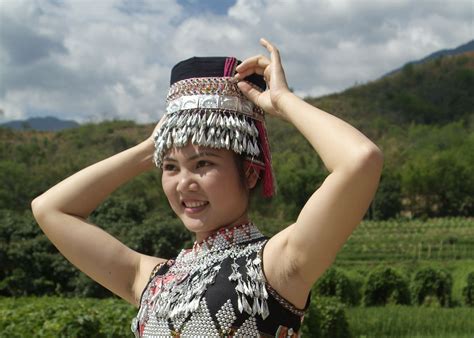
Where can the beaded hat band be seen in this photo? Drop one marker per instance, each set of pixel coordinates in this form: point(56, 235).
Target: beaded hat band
point(207, 108)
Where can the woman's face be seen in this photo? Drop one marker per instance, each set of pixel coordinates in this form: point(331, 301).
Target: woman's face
point(203, 188)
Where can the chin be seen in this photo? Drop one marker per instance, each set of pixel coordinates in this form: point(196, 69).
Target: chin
point(194, 225)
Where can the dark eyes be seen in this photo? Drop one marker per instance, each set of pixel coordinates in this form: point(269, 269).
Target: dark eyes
point(203, 163)
point(199, 164)
point(168, 167)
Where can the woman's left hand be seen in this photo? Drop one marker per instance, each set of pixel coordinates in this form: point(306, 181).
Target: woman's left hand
point(274, 75)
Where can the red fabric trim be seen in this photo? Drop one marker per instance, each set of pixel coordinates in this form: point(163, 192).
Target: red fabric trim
point(229, 66)
point(268, 179)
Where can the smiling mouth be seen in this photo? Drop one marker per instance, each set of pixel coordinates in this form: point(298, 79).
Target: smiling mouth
point(194, 207)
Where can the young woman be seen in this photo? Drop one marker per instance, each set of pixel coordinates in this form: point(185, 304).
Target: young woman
point(234, 281)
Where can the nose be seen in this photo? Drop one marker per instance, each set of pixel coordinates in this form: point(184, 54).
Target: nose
point(186, 182)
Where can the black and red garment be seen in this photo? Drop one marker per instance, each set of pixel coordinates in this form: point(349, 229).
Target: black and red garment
point(216, 289)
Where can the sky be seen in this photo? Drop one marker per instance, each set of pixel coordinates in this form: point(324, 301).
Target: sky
point(95, 60)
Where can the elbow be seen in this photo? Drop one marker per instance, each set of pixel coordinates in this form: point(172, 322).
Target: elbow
point(371, 160)
point(35, 207)
point(38, 208)
point(375, 155)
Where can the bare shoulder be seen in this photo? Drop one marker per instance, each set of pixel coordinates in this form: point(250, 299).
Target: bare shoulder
point(147, 265)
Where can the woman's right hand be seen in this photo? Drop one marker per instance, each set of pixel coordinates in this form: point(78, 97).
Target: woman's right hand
point(274, 76)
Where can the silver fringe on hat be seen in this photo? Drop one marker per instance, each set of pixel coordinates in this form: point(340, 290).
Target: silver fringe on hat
point(217, 121)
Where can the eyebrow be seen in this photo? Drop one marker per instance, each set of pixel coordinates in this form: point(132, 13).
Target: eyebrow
point(193, 157)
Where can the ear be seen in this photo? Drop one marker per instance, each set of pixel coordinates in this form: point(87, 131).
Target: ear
point(251, 175)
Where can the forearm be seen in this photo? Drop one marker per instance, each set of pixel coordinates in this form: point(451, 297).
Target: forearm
point(337, 142)
point(81, 193)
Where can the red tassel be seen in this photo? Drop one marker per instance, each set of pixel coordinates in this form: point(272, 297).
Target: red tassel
point(268, 179)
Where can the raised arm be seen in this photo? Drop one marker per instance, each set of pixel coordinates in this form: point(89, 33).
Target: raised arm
point(61, 212)
point(297, 256)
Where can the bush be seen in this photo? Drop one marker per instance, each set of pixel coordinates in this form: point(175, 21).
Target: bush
point(432, 286)
point(83, 286)
point(64, 317)
point(31, 265)
point(160, 237)
point(468, 290)
point(386, 285)
point(334, 283)
point(387, 201)
point(325, 317)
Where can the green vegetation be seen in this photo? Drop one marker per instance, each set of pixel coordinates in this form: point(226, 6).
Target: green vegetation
point(65, 317)
point(410, 321)
point(435, 239)
point(85, 317)
point(432, 283)
point(433, 93)
point(386, 285)
point(335, 283)
point(415, 244)
point(468, 290)
point(428, 168)
point(326, 317)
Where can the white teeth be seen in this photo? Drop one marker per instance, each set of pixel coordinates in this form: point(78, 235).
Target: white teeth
point(195, 204)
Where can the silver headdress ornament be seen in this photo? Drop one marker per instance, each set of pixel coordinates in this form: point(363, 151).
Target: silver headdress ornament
point(205, 106)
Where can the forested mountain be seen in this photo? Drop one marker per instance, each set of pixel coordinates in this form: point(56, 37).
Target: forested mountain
point(421, 117)
point(47, 123)
point(433, 93)
point(466, 47)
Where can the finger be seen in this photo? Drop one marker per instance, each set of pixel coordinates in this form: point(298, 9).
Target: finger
point(250, 92)
point(254, 62)
point(247, 72)
point(267, 75)
point(274, 52)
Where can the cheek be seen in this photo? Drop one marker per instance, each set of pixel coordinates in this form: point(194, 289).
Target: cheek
point(226, 184)
point(167, 186)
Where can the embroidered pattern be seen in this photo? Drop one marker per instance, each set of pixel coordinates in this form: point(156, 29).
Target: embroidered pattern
point(222, 103)
point(207, 86)
point(155, 269)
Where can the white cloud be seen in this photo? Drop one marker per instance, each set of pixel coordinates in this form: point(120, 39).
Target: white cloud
point(90, 60)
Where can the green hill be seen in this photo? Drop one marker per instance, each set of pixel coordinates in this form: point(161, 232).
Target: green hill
point(421, 118)
point(436, 92)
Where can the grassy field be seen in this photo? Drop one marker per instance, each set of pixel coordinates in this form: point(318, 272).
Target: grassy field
point(437, 239)
point(410, 321)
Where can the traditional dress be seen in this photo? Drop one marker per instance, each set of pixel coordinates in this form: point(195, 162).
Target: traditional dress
point(216, 289)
